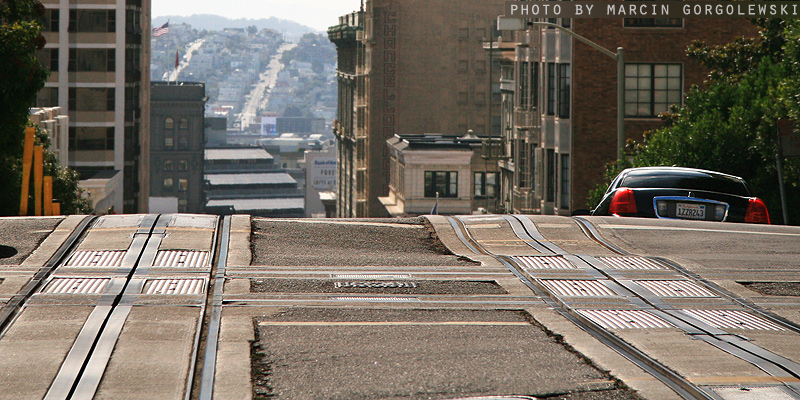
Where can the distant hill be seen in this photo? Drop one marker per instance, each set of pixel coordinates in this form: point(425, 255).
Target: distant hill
point(217, 23)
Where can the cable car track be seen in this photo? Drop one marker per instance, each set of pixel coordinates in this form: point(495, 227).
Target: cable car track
point(123, 287)
point(784, 370)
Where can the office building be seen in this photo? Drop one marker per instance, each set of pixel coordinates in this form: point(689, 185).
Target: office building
point(98, 53)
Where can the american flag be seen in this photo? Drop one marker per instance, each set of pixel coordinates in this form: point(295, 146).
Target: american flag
point(161, 30)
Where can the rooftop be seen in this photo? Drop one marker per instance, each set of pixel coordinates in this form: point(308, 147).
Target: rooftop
point(275, 178)
point(249, 153)
point(259, 204)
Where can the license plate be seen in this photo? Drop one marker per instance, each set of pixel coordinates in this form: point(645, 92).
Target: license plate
point(690, 211)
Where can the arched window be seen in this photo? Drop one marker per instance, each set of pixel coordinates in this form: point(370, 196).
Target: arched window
point(184, 123)
point(169, 123)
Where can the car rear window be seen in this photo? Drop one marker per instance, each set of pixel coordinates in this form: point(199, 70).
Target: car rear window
point(685, 180)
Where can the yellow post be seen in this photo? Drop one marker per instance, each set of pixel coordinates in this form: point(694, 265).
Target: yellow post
point(48, 196)
point(56, 208)
point(38, 175)
point(27, 159)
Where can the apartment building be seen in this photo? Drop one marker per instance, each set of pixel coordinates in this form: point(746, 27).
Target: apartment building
point(408, 68)
point(98, 55)
point(445, 174)
point(177, 144)
point(559, 108)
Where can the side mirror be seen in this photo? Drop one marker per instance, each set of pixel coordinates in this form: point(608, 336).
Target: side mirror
point(577, 213)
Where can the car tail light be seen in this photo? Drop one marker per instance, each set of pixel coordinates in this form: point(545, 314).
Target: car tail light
point(623, 202)
point(757, 212)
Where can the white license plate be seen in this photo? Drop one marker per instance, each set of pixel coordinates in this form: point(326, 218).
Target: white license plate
point(690, 211)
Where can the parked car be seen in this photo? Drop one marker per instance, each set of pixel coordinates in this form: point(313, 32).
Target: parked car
point(681, 193)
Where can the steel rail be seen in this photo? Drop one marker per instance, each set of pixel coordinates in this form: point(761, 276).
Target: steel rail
point(769, 362)
point(671, 379)
point(206, 390)
point(11, 310)
point(78, 357)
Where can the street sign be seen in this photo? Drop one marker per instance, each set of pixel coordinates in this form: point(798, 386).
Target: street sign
point(789, 138)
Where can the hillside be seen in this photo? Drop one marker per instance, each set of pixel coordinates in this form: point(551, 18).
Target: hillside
point(216, 23)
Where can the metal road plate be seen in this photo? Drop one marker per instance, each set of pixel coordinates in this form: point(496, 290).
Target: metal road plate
point(625, 319)
point(753, 392)
point(120, 221)
point(371, 276)
point(193, 221)
point(733, 319)
point(181, 259)
point(676, 288)
point(174, 286)
point(578, 288)
point(77, 286)
point(629, 263)
point(376, 299)
point(532, 262)
point(103, 259)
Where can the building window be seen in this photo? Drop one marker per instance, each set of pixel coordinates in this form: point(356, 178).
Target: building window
point(168, 186)
point(169, 142)
point(47, 97)
point(550, 193)
point(183, 143)
point(92, 21)
point(183, 165)
point(565, 181)
point(525, 164)
point(486, 184)
point(551, 89)
point(52, 20)
point(92, 60)
point(651, 88)
point(563, 90)
point(528, 85)
point(443, 182)
point(169, 123)
point(183, 123)
point(168, 166)
point(48, 58)
point(91, 99)
point(182, 184)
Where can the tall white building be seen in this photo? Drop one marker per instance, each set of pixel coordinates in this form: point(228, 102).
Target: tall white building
point(98, 55)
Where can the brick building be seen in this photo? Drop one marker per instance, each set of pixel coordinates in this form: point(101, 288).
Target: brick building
point(558, 98)
point(408, 67)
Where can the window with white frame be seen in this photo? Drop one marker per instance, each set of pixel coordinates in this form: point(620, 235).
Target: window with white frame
point(485, 184)
point(651, 88)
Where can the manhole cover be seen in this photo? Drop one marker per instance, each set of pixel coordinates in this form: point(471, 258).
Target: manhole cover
point(576, 287)
point(532, 262)
point(7, 251)
point(625, 319)
point(174, 286)
point(181, 259)
point(102, 259)
point(77, 286)
point(676, 288)
point(375, 286)
point(629, 263)
point(733, 319)
point(753, 393)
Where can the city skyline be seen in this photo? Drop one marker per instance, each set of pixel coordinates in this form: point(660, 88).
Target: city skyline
point(318, 14)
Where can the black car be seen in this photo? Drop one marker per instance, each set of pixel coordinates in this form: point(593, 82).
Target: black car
point(681, 193)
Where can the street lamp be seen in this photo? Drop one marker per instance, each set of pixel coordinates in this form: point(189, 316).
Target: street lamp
point(504, 23)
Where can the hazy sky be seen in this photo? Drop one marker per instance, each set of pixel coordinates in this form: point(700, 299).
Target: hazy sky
point(318, 14)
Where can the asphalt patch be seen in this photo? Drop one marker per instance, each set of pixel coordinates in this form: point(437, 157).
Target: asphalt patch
point(419, 287)
point(359, 353)
point(774, 288)
point(365, 242)
point(23, 236)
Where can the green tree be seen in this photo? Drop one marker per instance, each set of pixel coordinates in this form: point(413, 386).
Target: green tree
point(729, 124)
point(21, 78)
